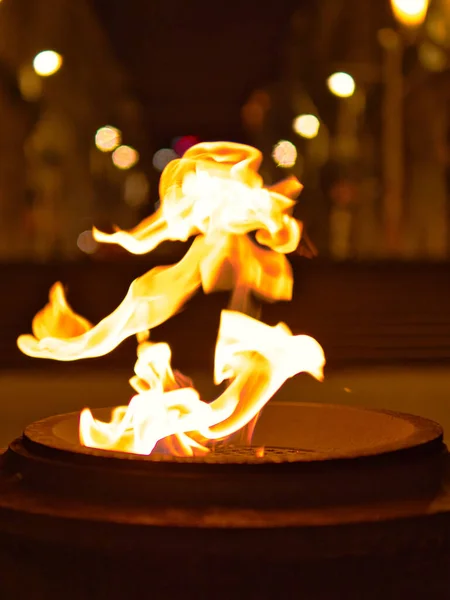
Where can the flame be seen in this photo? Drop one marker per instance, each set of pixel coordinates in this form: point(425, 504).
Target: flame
point(215, 189)
point(255, 358)
point(215, 194)
point(151, 299)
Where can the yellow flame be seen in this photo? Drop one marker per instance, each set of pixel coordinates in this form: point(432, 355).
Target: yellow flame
point(151, 299)
point(215, 188)
point(216, 194)
point(255, 357)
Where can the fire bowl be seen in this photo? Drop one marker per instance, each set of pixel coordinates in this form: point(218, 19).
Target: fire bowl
point(303, 454)
point(340, 496)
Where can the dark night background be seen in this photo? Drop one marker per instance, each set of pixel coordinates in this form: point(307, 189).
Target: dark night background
point(194, 64)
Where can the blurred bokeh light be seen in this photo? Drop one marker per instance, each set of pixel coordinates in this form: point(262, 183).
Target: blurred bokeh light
point(125, 157)
point(341, 84)
point(163, 157)
point(306, 126)
point(410, 13)
point(137, 189)
point(432, 57)
point(437, 28)
point(254, 111)
point(108, 138)
point(47, 63)
point(182, 143)
point(30, 84)
point(284, 154)
point(86, 242)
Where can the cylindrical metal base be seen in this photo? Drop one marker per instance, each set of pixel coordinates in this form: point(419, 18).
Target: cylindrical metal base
point(367, 519)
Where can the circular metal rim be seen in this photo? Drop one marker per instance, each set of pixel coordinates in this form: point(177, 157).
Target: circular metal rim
point(121, 482)
point(426, 436)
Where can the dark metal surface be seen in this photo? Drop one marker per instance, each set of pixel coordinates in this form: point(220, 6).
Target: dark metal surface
point(304, 431)
point(244, 454)
point(108, 525)
point(353, 455)
point(61, 547)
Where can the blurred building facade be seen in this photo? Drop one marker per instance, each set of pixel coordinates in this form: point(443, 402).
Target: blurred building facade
point(376, 176)
point(54, 183)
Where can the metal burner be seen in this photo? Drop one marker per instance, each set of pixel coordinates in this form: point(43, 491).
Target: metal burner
point(263, 453)
point(302, 455)
point(264, 518)
point(230, 454)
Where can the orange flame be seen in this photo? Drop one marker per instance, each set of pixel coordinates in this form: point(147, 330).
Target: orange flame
point(216, 194)
point(255, 357)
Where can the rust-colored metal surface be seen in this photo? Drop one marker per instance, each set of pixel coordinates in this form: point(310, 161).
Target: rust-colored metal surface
point(317, 455)
point(312, 432)
point(330, 524)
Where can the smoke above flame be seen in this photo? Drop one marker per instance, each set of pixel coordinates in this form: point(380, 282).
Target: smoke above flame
point(215, 194)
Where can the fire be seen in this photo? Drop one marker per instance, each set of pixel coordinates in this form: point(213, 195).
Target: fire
point(215, 194)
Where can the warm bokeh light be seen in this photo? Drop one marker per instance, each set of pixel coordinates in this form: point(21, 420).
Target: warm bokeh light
point(307, 126)
point(47, 63)
point(438, 29)
point(254, 111)
point(107, 138)
point(30, 84)
point(432, 57)
point(284, 154)
point(125, 157)
point(86, 242)
point(162, 158)
point(410, 13)
point(253, 115)
point(341, 84)
point(182, 143)
point(388, 38)
point(137, 189)
point(262, 98)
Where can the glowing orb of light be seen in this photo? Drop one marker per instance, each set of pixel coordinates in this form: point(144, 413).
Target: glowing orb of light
point(341, 84)
point(125, 157)
point(47, 63)
point(437, 28)
point(410, 13)
point(432, 57)
point(307, 126)
point(107, 138)
point(163, 157)
point(182, 143)
point(30, 84)
point(86, 242)
point(136, 189)
point(284, 153)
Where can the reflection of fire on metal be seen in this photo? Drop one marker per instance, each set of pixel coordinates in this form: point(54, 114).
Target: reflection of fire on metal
point(215, 194)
